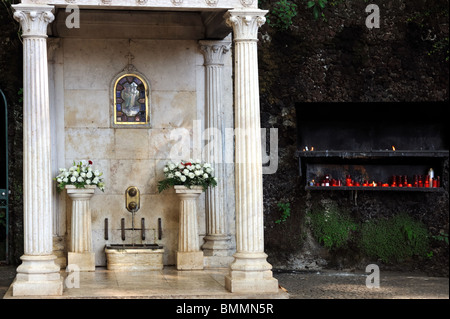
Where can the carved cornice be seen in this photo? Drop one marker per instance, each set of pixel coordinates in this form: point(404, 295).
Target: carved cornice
point(212, 3)
point(214, 51)
point(34, 19)
point(245, 23)
point(247, 3)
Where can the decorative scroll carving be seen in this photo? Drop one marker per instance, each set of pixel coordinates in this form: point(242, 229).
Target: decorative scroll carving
point(33, 22)
point(212, 3)
point(245, 24)
point(247, 3)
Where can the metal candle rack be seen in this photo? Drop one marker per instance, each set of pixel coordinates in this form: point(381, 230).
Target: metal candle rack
point(132, 204)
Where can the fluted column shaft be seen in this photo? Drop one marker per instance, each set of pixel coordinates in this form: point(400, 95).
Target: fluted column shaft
point(250, 271)
point(38, 267)
point(216, 239)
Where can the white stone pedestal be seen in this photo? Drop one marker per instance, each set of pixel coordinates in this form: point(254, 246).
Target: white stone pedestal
point(80, 252)
point(189, 255)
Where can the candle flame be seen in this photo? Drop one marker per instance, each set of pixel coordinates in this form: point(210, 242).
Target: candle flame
point(393, 147)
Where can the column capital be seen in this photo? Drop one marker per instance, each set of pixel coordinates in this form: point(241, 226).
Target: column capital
point(214, 51)
point(34, 19)
point(245, 23)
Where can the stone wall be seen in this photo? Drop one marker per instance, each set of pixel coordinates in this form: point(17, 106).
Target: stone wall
point(129, 156)
point(338, 59)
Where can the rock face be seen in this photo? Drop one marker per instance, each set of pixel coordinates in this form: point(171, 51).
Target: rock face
point(341, 60)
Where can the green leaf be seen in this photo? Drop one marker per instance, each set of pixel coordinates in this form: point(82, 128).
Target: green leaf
point(310, 4)
point(316, 13)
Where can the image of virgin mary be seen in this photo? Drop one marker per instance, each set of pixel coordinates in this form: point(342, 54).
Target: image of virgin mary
point(130, 96)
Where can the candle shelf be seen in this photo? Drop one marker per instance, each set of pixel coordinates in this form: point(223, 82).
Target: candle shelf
point(370, 143)
point(377, 188)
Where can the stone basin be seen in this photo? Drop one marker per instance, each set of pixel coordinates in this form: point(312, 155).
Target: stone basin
point(134, 257)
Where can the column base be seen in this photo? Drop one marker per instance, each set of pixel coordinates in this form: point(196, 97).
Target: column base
point(189, 260)
point(38, 276)
point(250, 272)
point(85, 261)
point(216, 245)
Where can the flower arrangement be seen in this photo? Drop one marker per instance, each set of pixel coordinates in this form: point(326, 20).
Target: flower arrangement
point(80, 175)
point(188, 173)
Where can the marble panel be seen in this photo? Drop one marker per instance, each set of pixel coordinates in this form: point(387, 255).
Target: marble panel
point(131, 143)
point(86, 108)
point(89, 143)
point(133, 172)
point(91, 64)
point(173, 109)
point(168, 64)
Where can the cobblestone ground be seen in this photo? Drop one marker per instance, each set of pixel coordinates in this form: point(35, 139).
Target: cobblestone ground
point(344, 285)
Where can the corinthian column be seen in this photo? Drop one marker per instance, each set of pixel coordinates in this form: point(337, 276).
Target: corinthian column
point(38, 274)
point(250, 271)
point(216, 240)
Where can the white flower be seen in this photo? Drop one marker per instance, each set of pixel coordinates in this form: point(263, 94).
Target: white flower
point(170, 175)
point(183, 178)
point(80, 179)
point(197, 166)
point(186, 171)
point(198, 173)
point(171, 167)
point(65, 180)
point(177, 173)
point(190, 167)
point(191, 175)
point(208, 170)
point(75, 173)
point(96, 172)
point(83, 174)
point(166, 169)
point(73, 179)
point(88, 181)
point(205, 175)
point(89, 174)
point(180, 166)
point(95, 180)
point(59, 180)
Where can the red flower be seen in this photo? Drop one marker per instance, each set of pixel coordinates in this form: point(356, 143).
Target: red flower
point(90, 162)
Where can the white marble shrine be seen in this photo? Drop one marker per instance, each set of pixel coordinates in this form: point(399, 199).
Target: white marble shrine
point(185, 51)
